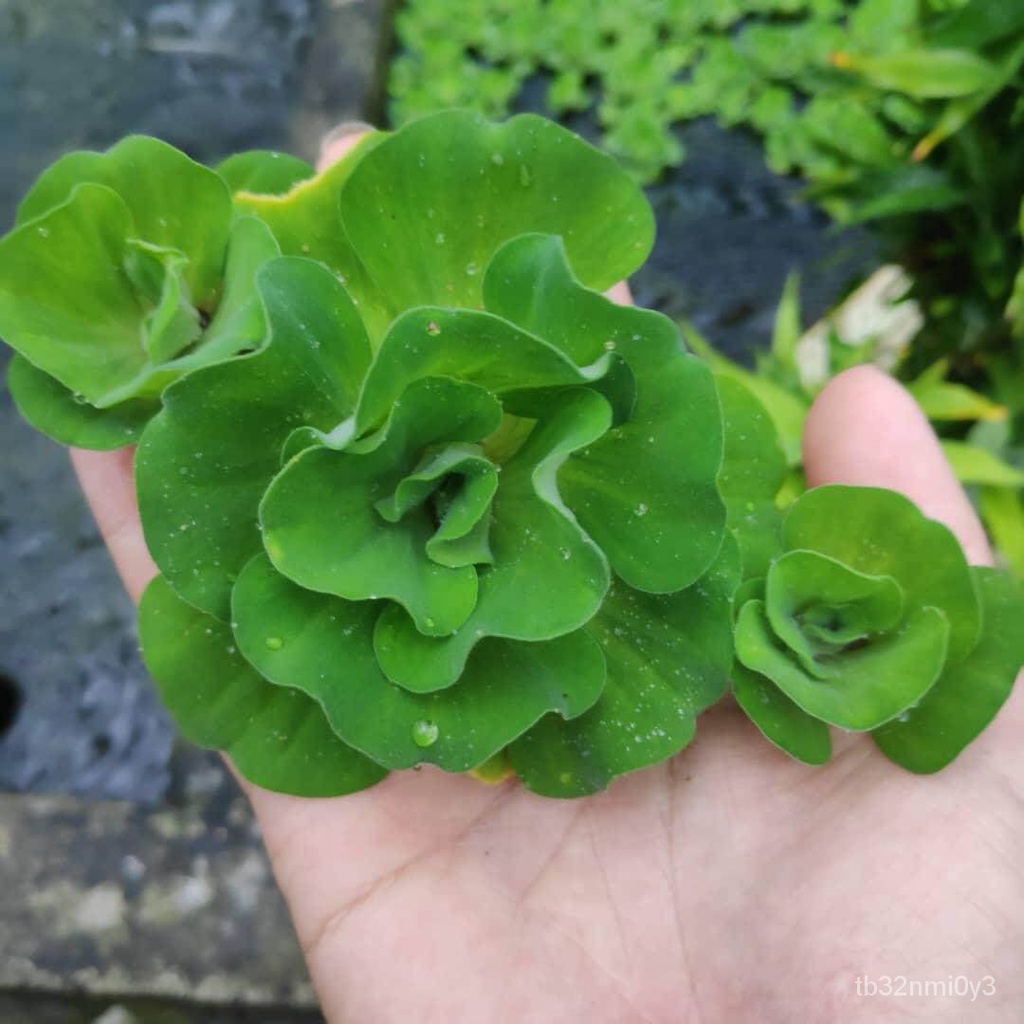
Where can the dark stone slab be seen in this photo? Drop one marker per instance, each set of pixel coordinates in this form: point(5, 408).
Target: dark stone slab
point(81, 716)
point(210, 76)
point(31, 1008)
point(116, 901)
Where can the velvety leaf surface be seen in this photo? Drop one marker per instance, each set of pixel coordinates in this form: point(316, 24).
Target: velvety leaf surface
point(429, 207)
point(658, 518)
point(780, 720)
point(668, 659)
point(276, 737)
point(117, 266)
point(54, 186)
point(306, 221)
point(65, 302)
point(323, 645)
point(238, 323)
point(355, 552)
point(817, 606)
point(53, 410)
point(864, 688)
point(753, 472)
point(548, 578)
point(205, 461)
point(173, 202)
point(471, 346)
point(970, 692)
point(263, 172)
point(882, 533)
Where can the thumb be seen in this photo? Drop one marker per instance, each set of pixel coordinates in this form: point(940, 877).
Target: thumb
point(865, 429)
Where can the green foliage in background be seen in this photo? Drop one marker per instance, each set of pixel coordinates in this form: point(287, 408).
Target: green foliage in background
point(905, 114)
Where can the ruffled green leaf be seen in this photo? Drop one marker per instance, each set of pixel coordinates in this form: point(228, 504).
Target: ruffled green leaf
point(323, 645)
point(462, 482)
point(668, 659)
point(263, 172)
point(548, 578)
point(753, 472)
point(357, 553)
point(865, 687)
point(157, 274)
point(819, 607)
point(277, 738)
point(429, 207)
point(780, 720)
point(969, 693)
point(882, 533)
point(238, 323)
point(659, 520)
point(306, 221)
point(172, 201)
point(55, 411)
point(66, 303)
point(117, 266)
point(205, 461)
point(471, 346)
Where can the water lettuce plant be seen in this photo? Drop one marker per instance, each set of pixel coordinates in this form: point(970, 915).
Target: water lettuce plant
point(875, 627)
point(124, 270)
point(419, 493)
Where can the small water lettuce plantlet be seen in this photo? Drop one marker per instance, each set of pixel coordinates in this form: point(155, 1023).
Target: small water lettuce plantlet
point(419, 493)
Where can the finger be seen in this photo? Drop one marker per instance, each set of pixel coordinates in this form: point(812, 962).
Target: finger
point(108, 481)
point(620, 294)
point(339, 141)
point(865, 429)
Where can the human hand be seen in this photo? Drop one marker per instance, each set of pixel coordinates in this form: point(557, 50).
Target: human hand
point(729, 884)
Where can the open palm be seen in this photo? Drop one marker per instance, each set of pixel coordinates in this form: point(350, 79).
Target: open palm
point(730, 884)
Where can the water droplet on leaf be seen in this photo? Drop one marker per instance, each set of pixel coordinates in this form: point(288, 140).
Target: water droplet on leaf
point(424, 733)
point(274, 643)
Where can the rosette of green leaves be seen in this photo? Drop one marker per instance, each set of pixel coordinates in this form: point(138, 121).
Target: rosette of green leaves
point(123, 271)
point(869, 618)
point(459, 508)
